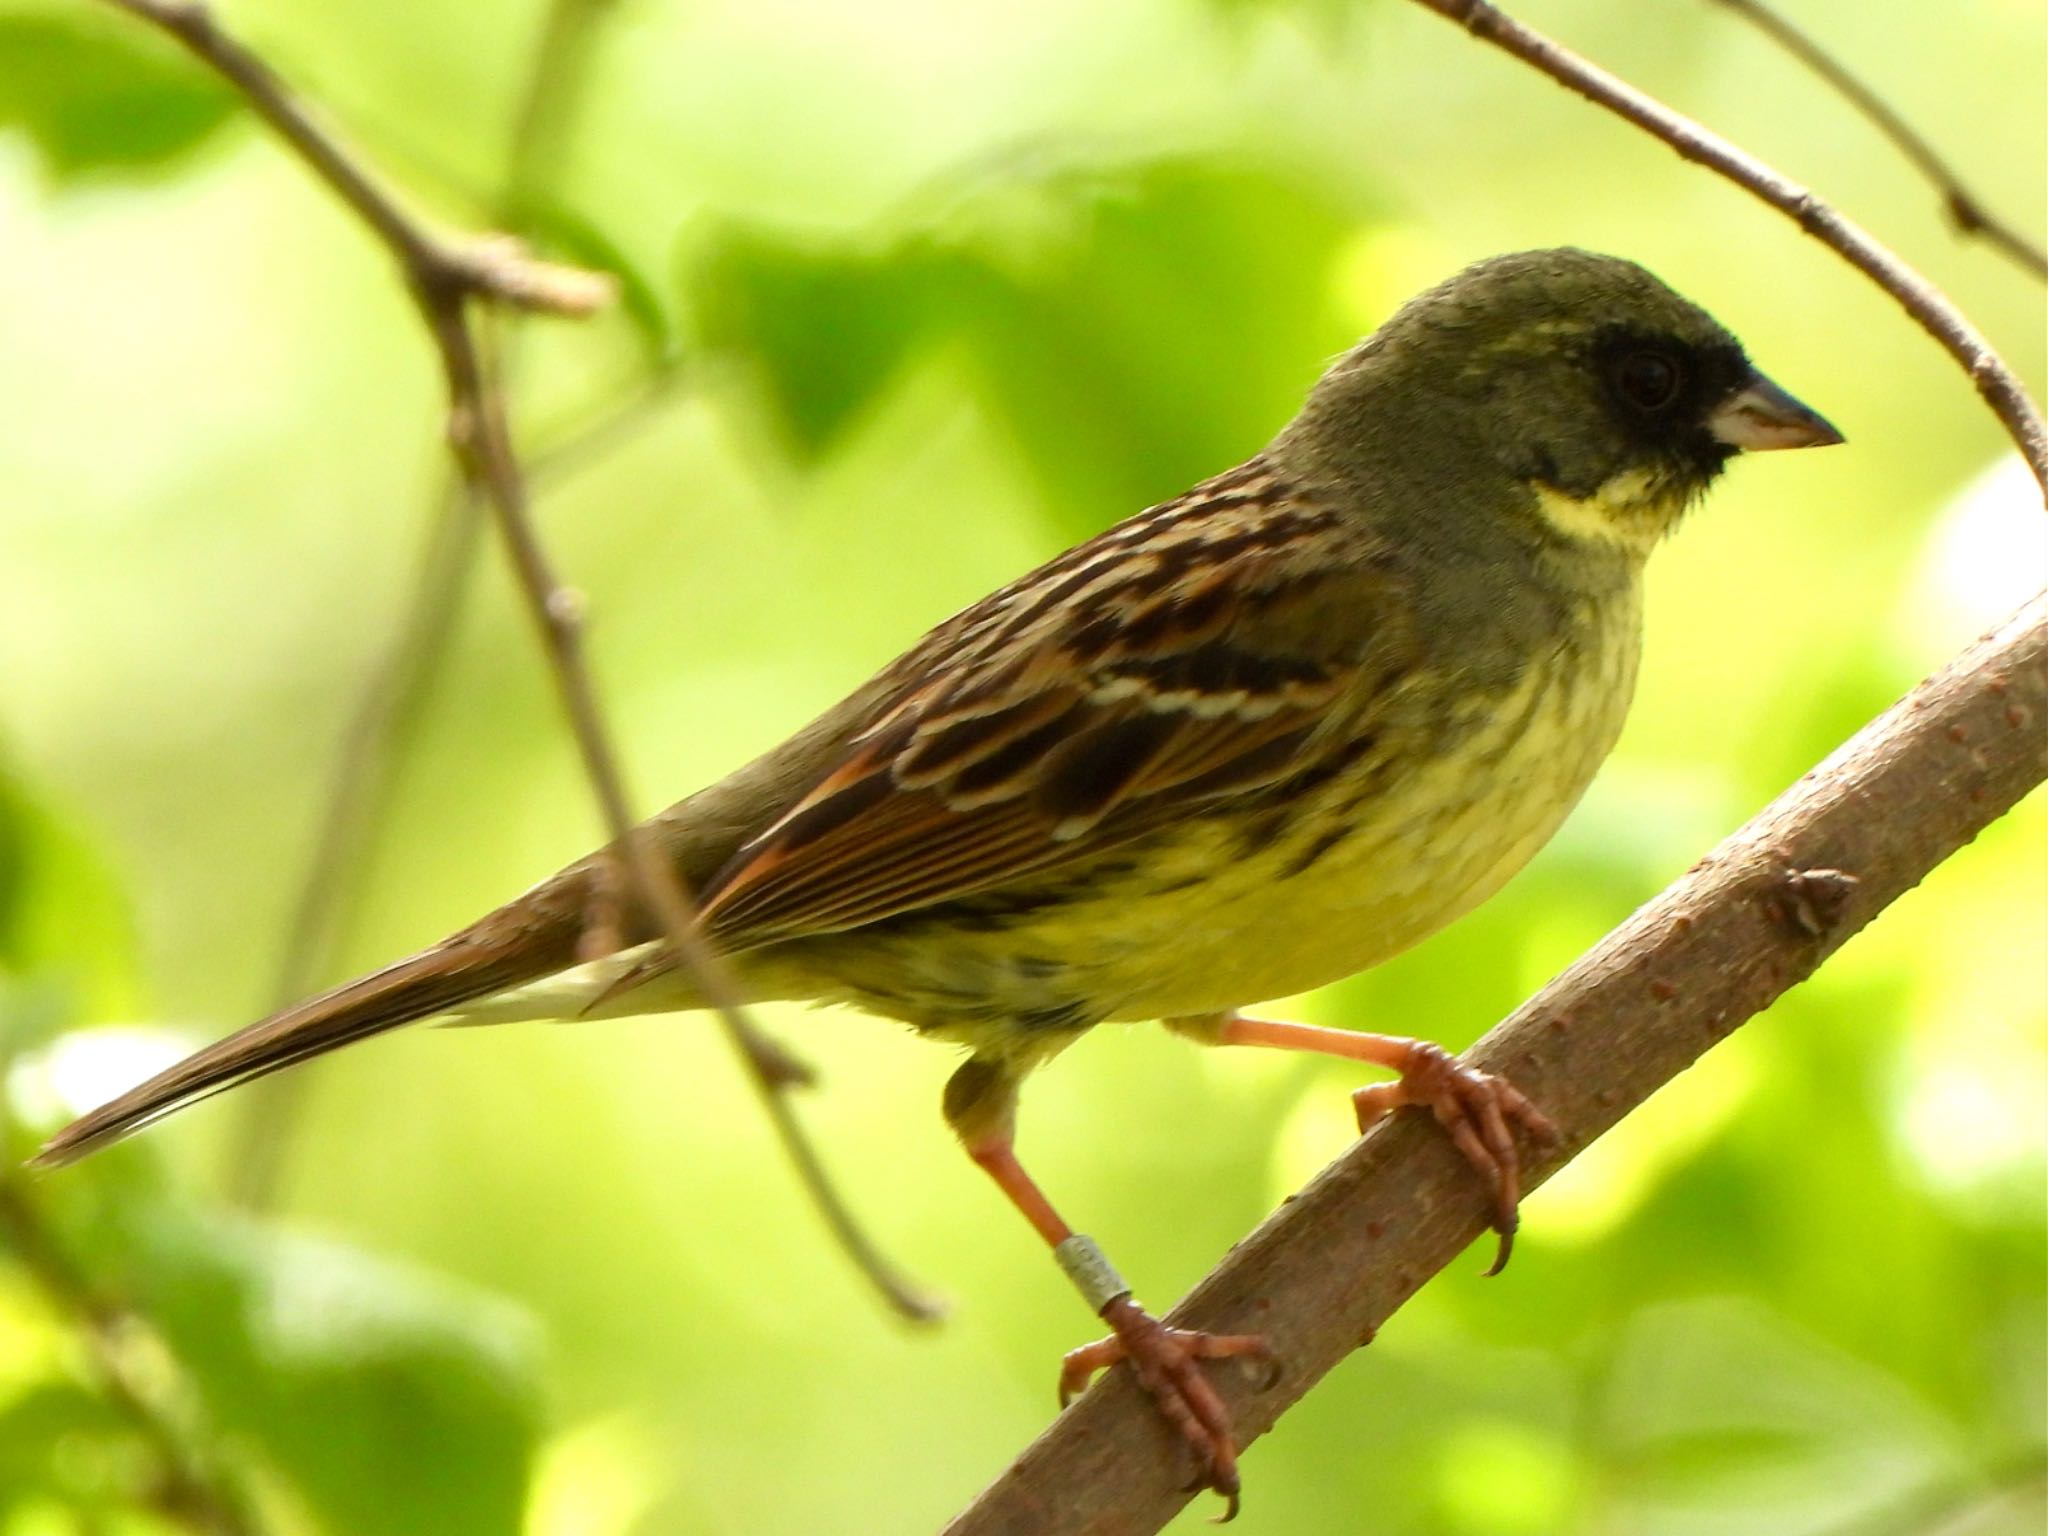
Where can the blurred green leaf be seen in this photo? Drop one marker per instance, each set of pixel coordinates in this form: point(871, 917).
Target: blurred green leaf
point(562, 230)
point(1498, 1478)
point(50, 1437)
point(1122, 325)
point(392, 1400)
point(98, 94)
point(1726, 1418)
point(828, 327)
point(65, 934)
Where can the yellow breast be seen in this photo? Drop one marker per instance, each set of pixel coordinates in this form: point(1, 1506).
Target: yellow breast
point(1437, 834)
point(1463, 785)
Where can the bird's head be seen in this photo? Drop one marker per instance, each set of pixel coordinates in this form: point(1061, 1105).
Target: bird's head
point(1583, 377)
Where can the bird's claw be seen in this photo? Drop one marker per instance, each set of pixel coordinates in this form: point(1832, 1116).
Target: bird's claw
point(1477, 1109)
point(1167, 1363)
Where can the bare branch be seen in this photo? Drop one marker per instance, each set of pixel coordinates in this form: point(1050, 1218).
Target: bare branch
point(479, 432)
point(1964, 209)
point(386, 712)
point(444, 278)
point(1996, 382)
point(393, 697)
point(388, 709)
point(1752, 919)
point(495, 267)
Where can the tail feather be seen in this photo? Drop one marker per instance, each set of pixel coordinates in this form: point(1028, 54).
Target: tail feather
point(463, 968)
point(533, 937)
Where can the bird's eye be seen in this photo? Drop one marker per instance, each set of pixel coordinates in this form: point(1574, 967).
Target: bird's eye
point(1648, 380)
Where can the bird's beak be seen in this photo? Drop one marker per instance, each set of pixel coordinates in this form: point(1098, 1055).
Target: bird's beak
point(1760, 415)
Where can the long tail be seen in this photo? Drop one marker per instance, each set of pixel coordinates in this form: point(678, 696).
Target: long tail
point(531, 937)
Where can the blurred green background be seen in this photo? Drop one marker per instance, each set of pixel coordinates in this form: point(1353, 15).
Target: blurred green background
point(927, 289)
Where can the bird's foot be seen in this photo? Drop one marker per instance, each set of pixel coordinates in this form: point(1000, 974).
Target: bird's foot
point(1167, 1363)
point(1479, 1111)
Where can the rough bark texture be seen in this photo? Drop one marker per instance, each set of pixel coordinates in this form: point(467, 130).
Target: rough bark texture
point(1752, 919)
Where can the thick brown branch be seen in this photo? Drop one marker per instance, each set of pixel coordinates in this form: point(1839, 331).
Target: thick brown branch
point(1996, 382)
point(1965, 210)
point(444, 279)
point(1752, 919)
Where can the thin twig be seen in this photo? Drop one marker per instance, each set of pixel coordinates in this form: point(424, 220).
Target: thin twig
point(393, 698)
point(479, 432)
point(186, 1488)
point(387, 714)
point(496, 267)
point(443, 280)
point(1965, 210)
point(1751, 920)
point(1996, 382)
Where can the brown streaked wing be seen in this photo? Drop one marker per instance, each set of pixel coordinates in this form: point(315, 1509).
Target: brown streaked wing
point(1227, 648)
point(1203, 650)
point(913, 848)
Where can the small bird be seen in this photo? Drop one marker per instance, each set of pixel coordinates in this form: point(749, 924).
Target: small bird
point(1251, 740)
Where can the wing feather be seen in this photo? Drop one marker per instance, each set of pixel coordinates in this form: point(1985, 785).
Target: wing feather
point(1150, 675)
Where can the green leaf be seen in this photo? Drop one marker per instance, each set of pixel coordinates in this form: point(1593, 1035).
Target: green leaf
point(563, 231)
point(98, 95)
point(1175, 334)
point(56, 1438)
point(1135, 329)
point(65, 932)
point(828, 327)
point(1722, 1416)
point(392, 1400)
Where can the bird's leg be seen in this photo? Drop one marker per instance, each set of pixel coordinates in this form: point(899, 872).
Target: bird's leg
point(1478, 1109)
point(981, 1102)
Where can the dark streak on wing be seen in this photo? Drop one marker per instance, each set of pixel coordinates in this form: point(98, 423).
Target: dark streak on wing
point(1084, 776)
point(1141, 679)
point(932, 758)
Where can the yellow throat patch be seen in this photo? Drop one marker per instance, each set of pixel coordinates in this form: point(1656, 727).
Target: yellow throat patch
point(1631, 511)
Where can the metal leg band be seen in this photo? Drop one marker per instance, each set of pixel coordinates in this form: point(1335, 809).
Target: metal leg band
point(1090, 1270)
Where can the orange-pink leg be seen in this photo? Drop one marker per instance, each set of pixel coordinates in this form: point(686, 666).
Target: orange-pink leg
point(1478, 1109)
point(1166, 1361)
